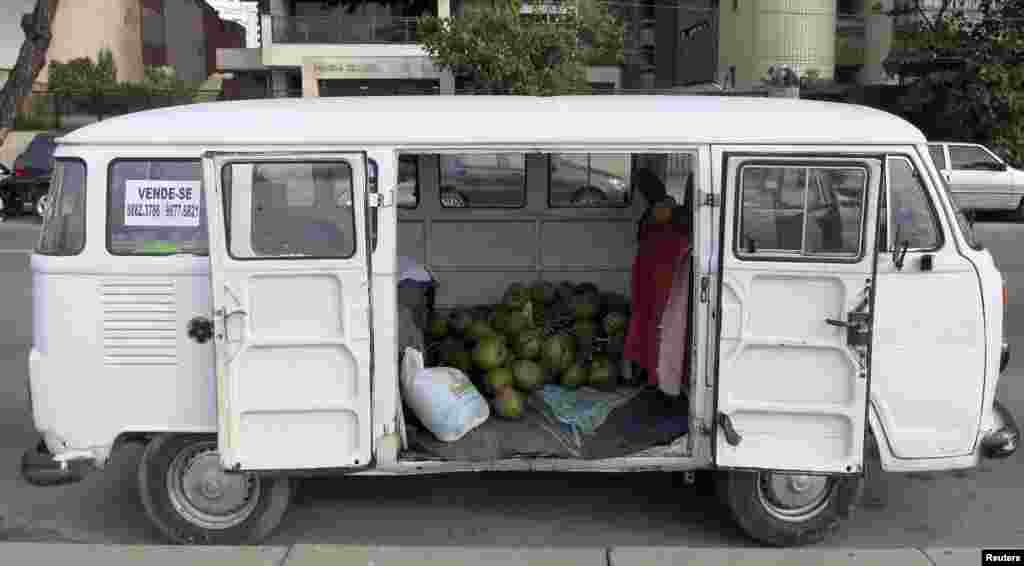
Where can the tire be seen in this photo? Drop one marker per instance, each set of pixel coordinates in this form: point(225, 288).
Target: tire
point(1018, 214)
point(41, 205)
point(187, 514)
point(748, 497)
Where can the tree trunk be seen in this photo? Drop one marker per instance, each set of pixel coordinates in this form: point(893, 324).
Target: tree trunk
point(30, 62)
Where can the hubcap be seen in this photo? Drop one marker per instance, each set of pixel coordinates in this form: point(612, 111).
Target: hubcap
point(794, 497)
point(206, 496)
point(42, 205)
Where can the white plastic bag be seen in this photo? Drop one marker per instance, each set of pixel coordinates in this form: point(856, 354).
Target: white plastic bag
point(443, 398)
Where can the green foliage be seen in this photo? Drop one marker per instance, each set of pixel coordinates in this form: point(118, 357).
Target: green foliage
point(93, 86)
point(969, 80)
point(545, 52)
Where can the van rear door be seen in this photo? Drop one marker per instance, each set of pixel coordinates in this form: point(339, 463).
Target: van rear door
point(288, 252)
point(795, 304)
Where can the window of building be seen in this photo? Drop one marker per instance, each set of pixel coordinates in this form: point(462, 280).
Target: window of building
point(801, 211)
point(63, 230)
point(580, 180)
point(483, 180)
point(156, 207)
point(290, 210)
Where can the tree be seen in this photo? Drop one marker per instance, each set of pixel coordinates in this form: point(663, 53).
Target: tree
point(545, 52)
point(967, 72)
point(31, 58)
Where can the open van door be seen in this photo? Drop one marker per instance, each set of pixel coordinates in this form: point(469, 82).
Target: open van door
point(797, 270)
point(290, 291)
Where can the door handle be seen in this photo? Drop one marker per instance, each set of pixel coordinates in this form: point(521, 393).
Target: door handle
point(839, 323)
point(858, 328)
point(224, 315)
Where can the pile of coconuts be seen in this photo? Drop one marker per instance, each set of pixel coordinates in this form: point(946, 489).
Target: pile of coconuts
point(545, 333)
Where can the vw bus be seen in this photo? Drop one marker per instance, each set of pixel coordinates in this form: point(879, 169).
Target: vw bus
point(222, 283)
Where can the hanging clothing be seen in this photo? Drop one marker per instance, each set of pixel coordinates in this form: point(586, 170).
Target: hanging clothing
point(673, 347)
point(659, 249)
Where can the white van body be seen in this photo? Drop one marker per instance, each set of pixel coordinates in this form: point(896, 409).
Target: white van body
point(301, 375)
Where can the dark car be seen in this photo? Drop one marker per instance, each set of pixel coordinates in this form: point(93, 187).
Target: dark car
point(25, 190)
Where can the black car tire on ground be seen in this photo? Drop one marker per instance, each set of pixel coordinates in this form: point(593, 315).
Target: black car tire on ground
point(1018, 214)
point(184, 492)
point(744, 493)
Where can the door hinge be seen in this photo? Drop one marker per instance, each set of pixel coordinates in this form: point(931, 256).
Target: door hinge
point(705, 283)
point(708, 199)
point(383, 199)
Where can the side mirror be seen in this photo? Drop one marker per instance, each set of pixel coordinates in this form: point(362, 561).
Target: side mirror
point(903, 217)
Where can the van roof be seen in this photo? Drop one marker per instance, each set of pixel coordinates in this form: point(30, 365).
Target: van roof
point(448, 120)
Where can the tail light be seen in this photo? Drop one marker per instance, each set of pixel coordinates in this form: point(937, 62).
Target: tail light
point(19, 171)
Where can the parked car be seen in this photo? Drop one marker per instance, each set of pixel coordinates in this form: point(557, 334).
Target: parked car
point(28, 188)
point(978, 178)
point(5, 175)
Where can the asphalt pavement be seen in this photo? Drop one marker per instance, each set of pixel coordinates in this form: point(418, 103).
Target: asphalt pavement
point(611, 512)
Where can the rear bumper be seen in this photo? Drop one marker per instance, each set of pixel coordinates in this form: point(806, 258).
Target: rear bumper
point(1005, 436)
point(40, 468)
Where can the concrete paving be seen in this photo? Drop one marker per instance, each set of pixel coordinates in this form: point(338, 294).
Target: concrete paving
point(342, 555)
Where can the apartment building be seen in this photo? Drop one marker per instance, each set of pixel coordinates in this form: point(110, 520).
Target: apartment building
point(184, 34)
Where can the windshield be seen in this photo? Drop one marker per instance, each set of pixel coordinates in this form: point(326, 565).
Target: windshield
point(965, 225)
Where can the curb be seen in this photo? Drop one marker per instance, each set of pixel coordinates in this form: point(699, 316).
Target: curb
point(343, 555)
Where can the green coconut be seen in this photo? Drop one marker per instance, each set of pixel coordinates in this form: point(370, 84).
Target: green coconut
point(479, 330)
point(603, 373)
point(528, 375)
point(516, 297)
point(509, 403)
point(615, 323)
point(543, 292)
point(516, 322)
point(576, 376)
point(498, 378)
point(528, 344)
point(490, 352)
point(559, 352)
point(585, 305)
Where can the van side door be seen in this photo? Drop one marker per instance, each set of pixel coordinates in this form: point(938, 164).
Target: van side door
point(291, 298)
point(795, 309)
point(928, 356)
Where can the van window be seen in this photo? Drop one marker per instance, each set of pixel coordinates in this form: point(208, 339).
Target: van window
point(63, 230)
point(908, 193)
point(483, 180)
point(938, 156)
point(588, 180)
point(155, 207)
point(289, 210)
point(798, 210)
point(408, 191)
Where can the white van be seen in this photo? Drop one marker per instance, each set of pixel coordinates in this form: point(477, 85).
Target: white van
point(220, 280)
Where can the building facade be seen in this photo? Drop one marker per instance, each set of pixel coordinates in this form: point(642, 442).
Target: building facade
point(184, 34)
point(244, 13)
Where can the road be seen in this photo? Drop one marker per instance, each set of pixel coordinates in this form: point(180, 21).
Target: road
point(977, 508)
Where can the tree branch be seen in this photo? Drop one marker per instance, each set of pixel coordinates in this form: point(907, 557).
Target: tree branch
point(31, 58)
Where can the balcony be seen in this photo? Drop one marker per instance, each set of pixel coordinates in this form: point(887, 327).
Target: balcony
point(342, 29)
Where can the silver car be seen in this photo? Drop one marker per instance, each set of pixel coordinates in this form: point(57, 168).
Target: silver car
point(978, 178)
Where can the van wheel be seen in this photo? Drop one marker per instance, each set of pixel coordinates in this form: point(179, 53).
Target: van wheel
point(788, 509)
point(191, 500)
point(1018, 214)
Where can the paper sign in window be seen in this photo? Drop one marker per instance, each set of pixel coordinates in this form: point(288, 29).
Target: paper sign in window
point(161, 203)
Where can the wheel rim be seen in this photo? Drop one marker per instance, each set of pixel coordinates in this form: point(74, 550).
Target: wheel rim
point(794, 497)
point(42, 205)
point(206, 496)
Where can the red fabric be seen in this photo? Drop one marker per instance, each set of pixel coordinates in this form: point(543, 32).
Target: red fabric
point(660, 246)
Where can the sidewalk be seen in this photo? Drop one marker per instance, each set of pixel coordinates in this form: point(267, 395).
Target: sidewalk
point(329, 555)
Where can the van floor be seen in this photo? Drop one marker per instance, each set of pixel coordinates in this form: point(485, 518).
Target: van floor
point(649, 419)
